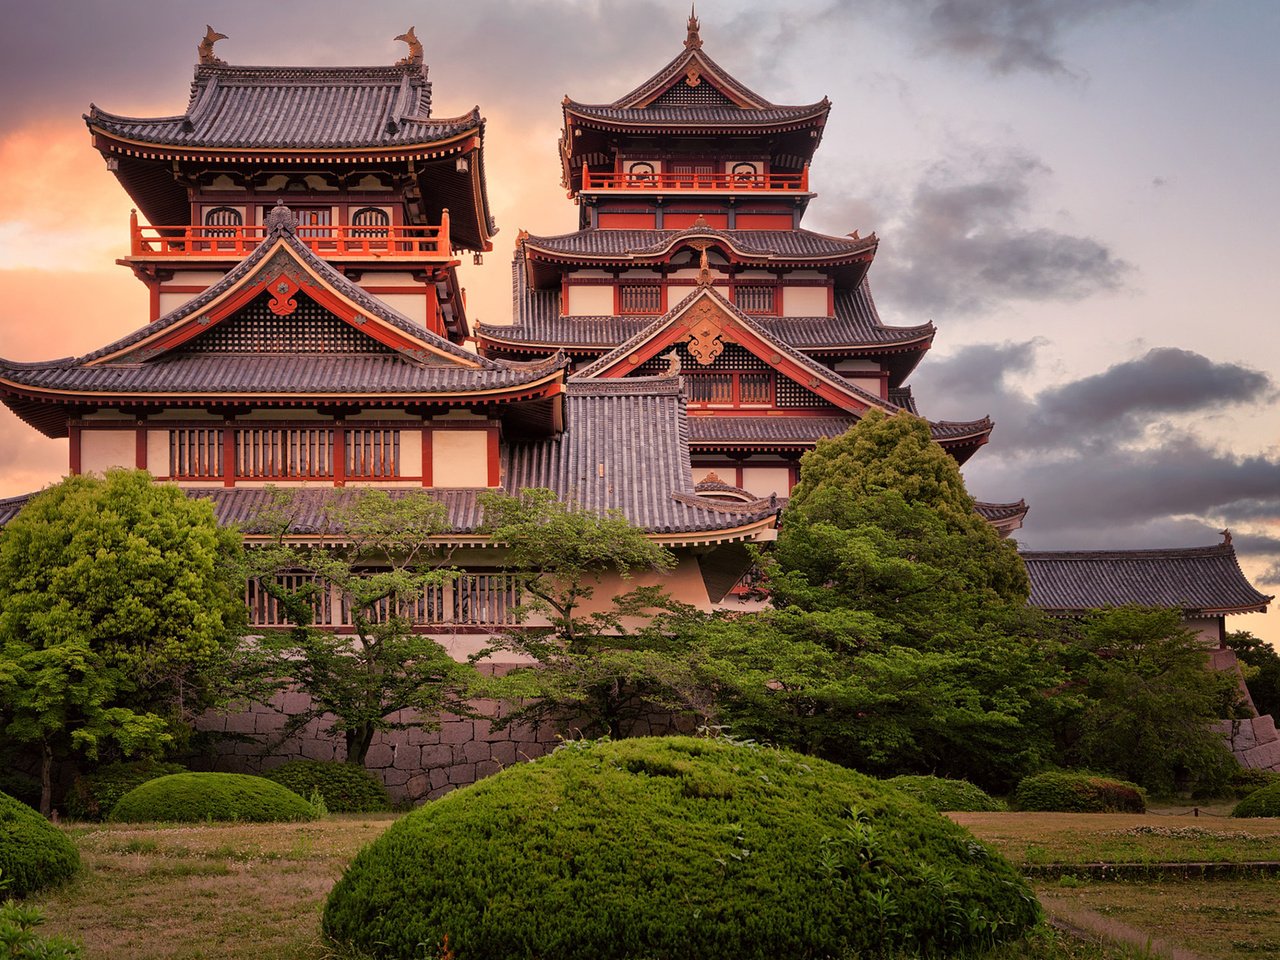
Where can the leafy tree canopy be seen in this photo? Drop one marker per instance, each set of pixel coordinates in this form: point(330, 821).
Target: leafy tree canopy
point(120, 606)
point(1264, 677)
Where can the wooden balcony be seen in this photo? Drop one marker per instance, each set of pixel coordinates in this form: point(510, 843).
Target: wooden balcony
point(333, 242)
point(696, 182)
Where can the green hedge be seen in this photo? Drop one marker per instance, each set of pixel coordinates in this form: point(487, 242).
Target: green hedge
point(93, 795)
point(345, 787)
point(195, 797)
point(943, 794)
point(1264, 802)
point(1246, 780)
point(666, 847)
point(1076, 792)
point(33, 852)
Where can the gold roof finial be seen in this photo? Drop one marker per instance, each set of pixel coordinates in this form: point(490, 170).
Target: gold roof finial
point(415, 49)
point(205, 50)
point(693, 41)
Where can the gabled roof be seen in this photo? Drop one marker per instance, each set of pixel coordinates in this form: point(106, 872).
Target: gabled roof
point(794, 247)
point(1195, 580)
point(296, 108)
point(394, 356)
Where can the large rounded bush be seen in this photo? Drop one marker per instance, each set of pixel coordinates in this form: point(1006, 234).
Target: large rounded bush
point(345, 787)
point(1264, 802)
point(33, 852)
point(194, 797)
point(93, 795)
point(951, 795)
point(676, 847)
point(1074, 792)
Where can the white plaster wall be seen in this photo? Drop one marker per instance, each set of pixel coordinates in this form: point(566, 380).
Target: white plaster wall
point(460, 458)
point(100, 450)
point(590, 301)
point(158, 452)
point(804, 301)
point(411, 453)
point(763, 481)
point(412, 305)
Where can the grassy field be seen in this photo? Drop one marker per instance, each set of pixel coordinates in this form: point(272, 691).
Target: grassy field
point(254, 891)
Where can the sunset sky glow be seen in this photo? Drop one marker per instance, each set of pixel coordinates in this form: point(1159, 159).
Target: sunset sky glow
point(1080, 194)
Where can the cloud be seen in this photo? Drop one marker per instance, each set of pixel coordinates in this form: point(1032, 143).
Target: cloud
point(963, 243)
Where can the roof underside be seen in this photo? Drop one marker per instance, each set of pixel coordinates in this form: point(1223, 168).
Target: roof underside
point(1204, 580)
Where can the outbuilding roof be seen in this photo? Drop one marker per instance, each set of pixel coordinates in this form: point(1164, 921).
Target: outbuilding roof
point(1196, 580)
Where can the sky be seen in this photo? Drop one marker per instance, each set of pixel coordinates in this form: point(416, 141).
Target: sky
point(1080, 194)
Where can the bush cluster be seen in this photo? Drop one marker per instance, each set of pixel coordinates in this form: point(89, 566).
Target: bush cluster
point(677, 846)
point(943, 794)
point(93, 795)
point(33, 852)
point(194, 797)
point(1245, 780)
point(345, 787)
point(1264, 802)
point(20, 938)
point(1076, 792)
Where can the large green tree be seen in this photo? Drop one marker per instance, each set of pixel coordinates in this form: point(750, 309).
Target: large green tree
point(1262, 665)
point(593, 664)
point(121, 604)
point(382, 555)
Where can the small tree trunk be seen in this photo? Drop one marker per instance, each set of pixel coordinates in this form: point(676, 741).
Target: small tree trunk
point(46, 778)
point(358, 740)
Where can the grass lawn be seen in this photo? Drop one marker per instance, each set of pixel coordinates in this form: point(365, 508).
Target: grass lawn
point(254, 891)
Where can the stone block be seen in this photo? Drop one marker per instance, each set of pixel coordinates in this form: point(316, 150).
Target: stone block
point(247, 749)
point(293, 703)
point(1264, 728)
point(439, 777)
point(456, 731)
point(417, 787)
point(481, 730)
point(462, 773)
point(504, 753)
point(315, 749)
point(268, 724)
point(436, 755)
point(487, 768)
point(408, 758)
point(391, 777)
point(418, 737)
point(380, 755)
point(240, 723)
point(477, 750)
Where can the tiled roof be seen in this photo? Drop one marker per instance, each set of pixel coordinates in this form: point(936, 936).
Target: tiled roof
point(996, 512)
point(297, 108)
point(1195, 580)
point(300, 374)
point(722, 429)
point(755, 244)
point(538, 321)
point(697, 115)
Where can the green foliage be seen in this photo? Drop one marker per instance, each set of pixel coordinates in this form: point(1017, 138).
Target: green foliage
point(19, 939)
point(594, 667)
point(218, 797)
point(33, 852)
point(93, 795)
point(345, 787)
point(1150, 702)
point(676, 847)
point(120, 608)
point(1075, 792)
point(1264, 802)
point(948, 795)
point(1245, 780)
point(379, 553)
point(1264, 678)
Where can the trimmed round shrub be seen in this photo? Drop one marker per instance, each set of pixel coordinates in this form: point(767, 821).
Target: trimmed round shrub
point(345, 787)
point(943, 794)
point(93, 795)
point(194, 797)
point(33, 852)
point(1264, 802)
point(1075, 792)
point(676, 846)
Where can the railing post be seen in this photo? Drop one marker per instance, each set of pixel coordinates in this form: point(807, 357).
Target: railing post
point(135, 235)
point(804, 179)
point(444, 242)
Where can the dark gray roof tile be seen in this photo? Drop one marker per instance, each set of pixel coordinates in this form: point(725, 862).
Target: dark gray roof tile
point(762, 244)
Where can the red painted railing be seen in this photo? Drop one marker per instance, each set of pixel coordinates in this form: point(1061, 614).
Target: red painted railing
point(697, 182)
point(330, 241)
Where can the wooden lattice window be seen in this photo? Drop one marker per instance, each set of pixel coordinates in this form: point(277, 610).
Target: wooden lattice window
point(309, 329)
point(737, 388)
point(485, 598)
point(370, 222)
point(315, 222)
point(284, 452)
point(373, 453)
point(228, 217)
point(639, 298)
point(791, 394)
point(195, 452)
point(755, 299)
point(266, 611)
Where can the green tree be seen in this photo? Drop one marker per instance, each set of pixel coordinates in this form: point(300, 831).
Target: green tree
point(382, 556)
point(1264, 678)
point(594, 663)
point(121, 606)
point(1150, 702)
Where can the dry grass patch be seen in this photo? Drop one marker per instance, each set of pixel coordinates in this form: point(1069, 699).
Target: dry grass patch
point(1223, 919)
point(1040, 838)
point(230, 891)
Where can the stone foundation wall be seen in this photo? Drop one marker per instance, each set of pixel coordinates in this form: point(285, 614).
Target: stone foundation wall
point(415, 764)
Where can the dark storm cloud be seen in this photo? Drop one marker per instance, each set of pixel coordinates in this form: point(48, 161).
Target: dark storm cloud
point(962, 244)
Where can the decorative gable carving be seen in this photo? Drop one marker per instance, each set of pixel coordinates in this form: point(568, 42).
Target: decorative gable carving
point(706, 332)
point(262, 327)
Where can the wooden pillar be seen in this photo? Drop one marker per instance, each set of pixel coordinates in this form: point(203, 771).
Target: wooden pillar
point(495, 462)
point(427, 468)
point(228, 453)
point(339, 453)
point(140, 444)
point(73, 434)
